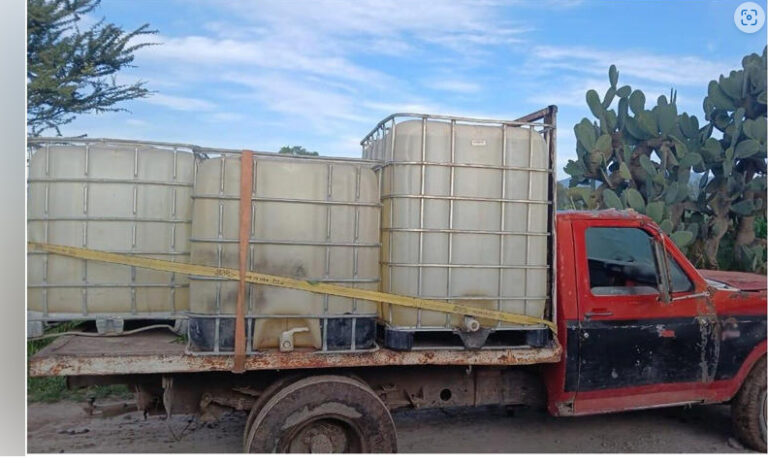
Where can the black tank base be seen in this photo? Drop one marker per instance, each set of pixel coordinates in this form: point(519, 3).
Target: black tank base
point(337, 333)
point(406, 340)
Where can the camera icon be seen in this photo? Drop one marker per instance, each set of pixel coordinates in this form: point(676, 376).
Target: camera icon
point(749, 17)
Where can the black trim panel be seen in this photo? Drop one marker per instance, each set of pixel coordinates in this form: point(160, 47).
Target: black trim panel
point(738, 340)
point(627, 353)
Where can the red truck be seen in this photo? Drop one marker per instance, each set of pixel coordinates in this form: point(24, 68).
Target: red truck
point(637, 327)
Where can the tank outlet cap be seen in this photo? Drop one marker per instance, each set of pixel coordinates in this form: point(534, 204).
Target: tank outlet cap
point(286, 338)
point(471, 324)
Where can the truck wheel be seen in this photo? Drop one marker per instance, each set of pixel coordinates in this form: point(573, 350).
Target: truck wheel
point(263, 398)
point(323, 414)
point(749, 409)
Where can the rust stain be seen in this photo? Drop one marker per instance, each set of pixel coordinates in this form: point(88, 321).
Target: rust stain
point(107, 364)
point(740, 280)
point(666, 333)
point(709, 329)
point(730, 329)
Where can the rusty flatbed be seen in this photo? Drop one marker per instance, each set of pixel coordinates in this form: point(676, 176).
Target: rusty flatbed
point(158, 353)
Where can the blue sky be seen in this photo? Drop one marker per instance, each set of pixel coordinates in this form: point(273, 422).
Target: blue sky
point(263, 74)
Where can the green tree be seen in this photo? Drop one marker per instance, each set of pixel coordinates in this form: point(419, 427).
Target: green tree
point(72, 71)
point(297, 151)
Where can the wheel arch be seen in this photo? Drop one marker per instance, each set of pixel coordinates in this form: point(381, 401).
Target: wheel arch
point(758, 352)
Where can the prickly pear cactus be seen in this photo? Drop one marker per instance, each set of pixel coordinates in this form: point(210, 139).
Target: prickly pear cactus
point(736, 189)
point(700, 183)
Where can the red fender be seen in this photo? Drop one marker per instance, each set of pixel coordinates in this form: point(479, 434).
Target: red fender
point(735, 383)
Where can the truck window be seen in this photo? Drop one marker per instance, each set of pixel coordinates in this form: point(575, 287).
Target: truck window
point(621, 261)
point(679, 281)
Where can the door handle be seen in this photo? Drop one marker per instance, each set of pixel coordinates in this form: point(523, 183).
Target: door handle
point(598, 313)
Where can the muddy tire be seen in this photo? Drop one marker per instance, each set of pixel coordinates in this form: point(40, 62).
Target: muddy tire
point(329, 414)
point(748, 409)
point(263, 398)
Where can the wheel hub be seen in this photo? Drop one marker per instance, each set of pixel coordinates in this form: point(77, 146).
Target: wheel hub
point(322, 436)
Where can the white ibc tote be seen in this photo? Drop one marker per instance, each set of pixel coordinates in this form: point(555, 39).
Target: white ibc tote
point(111, 195)
point(466, 215)
point(313, 218)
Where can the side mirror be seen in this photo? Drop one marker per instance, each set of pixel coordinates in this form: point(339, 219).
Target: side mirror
point(663, 271)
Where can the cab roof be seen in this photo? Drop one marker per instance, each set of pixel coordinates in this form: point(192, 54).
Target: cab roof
point(607, 214)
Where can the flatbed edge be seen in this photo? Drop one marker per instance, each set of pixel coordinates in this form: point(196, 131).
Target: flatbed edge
point(64, 358)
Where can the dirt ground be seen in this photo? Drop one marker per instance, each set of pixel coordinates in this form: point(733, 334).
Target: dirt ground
point(65, 427)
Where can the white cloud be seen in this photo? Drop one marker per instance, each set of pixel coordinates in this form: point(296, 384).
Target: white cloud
point(212, 52)
point(180, 103)
point(293, 96)
point(226, 117)
point(370, 20)
point(570, 92)
point(455, 86)
point(564, 4)
point(402, 107)
point(325, 38)
point(649, 67)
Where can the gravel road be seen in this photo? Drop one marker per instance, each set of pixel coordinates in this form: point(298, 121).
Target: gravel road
point(64, 427)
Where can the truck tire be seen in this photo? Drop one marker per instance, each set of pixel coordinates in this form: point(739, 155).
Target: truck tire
point(329, 414)
point(271, 390)
point(748, 409)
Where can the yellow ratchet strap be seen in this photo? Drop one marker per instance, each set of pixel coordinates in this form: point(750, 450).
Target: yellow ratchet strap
point(292, 283)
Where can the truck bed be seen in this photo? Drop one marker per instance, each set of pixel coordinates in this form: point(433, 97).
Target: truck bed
point(159, 353)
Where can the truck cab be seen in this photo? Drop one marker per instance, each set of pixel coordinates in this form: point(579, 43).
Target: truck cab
point(641, 327)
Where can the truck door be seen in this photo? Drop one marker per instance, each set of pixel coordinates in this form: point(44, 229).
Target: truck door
point(644, 339)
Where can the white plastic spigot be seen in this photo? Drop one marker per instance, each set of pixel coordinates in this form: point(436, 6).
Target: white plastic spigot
point(471, 324)
point(286, 338)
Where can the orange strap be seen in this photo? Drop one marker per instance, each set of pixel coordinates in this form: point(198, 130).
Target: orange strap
point(246, 188)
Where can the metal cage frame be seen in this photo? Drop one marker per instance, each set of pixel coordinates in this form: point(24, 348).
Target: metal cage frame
point(543, 122)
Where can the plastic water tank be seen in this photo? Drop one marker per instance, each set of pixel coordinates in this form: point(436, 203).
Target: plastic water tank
point(313, 218)
point(129, 198)
point(465, 218)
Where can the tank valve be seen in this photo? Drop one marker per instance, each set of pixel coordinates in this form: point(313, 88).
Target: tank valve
point(286, 338)
point(471, 324)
